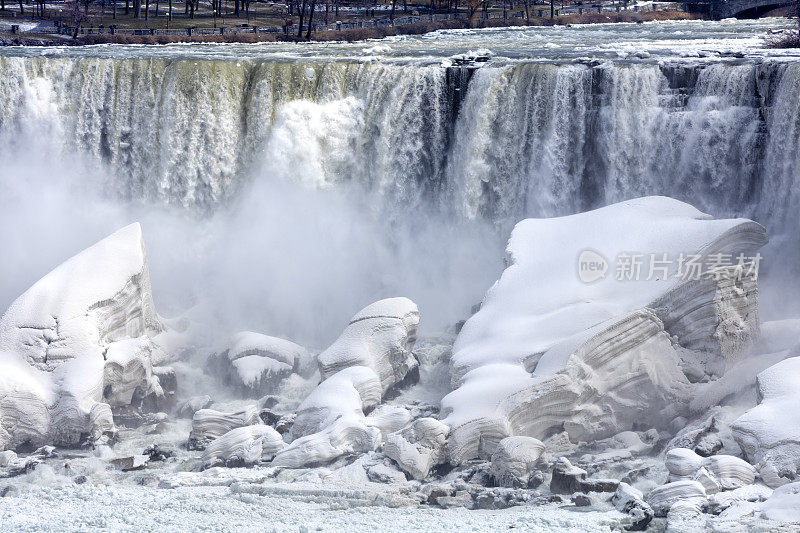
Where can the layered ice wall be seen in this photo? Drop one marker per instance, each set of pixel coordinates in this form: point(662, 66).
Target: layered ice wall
point(77, 342)
point(550, 350)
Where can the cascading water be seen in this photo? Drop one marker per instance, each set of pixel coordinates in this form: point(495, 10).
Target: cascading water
point(528, 139)
point(424, 152)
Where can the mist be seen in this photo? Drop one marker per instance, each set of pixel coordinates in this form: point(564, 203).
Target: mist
point(282, 257)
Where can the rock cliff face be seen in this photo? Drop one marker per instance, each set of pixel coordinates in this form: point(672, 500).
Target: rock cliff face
point(82, 335)
point(549, 352)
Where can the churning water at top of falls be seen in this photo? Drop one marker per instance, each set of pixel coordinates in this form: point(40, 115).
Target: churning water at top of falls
point(296, 183)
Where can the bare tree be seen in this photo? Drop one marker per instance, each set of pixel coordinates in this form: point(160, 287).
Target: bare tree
point(310, 20)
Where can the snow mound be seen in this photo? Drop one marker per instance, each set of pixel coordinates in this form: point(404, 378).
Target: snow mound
point(547, 349)
point(769, 433)
point(381, 337)
point(81, 335)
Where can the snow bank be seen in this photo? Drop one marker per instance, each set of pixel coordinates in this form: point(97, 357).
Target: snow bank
point(548, 349)
point(82, 334)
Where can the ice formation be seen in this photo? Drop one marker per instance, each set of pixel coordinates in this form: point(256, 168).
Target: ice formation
point(381, 337)
point(208, 424)
point(245, 445)
point(547, 350)
point(418, 447)
point(256, 363)
point(769, 433)
point(82, 335)
point(515, 460)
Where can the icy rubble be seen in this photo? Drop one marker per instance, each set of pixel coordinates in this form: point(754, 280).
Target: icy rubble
point(546, 350)
point(86, 333)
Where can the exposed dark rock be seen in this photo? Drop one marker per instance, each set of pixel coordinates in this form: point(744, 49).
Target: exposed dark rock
point(156, 453)
point(581, 500)
point(567, 479)
point(630, 501)
point(128, 464)
point(80, 480)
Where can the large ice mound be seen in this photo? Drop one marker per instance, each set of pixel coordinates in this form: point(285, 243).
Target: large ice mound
point(80, 336)
point(550, 352)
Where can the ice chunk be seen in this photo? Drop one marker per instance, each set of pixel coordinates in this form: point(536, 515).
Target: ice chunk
point(55, 339)
point(381, 337)
point(547, 348)
point(418, 447)
point(769, 433)
point(244, 446)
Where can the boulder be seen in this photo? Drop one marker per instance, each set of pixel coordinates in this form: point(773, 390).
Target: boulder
point(567, 478)
point(244, 446)
point(630, 501)
point(381, 337)
point(418, 447)
point(663, 497)
point(189, 407)
point(349, 392)
point(85, 333)
point(208, 424)
point(256, 364)
point(347, 435)
point(515, 460)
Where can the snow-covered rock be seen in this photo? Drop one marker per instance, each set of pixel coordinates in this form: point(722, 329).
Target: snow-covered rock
point(663, 497)
point(389, 418)
point(381, 337)
point(515, 460)
point(208, 424)
point(346, 435)
point(189, 407)
point(769, 433)
point(349, 392)
point(731, 472)
point(244, 446)
point(682, 462)
point(630, 500)
point(547, 349)
point(418, 447)
point(82, 334)
point(257, 363)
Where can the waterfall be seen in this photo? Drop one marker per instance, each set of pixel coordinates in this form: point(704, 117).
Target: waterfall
point(500, 143)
